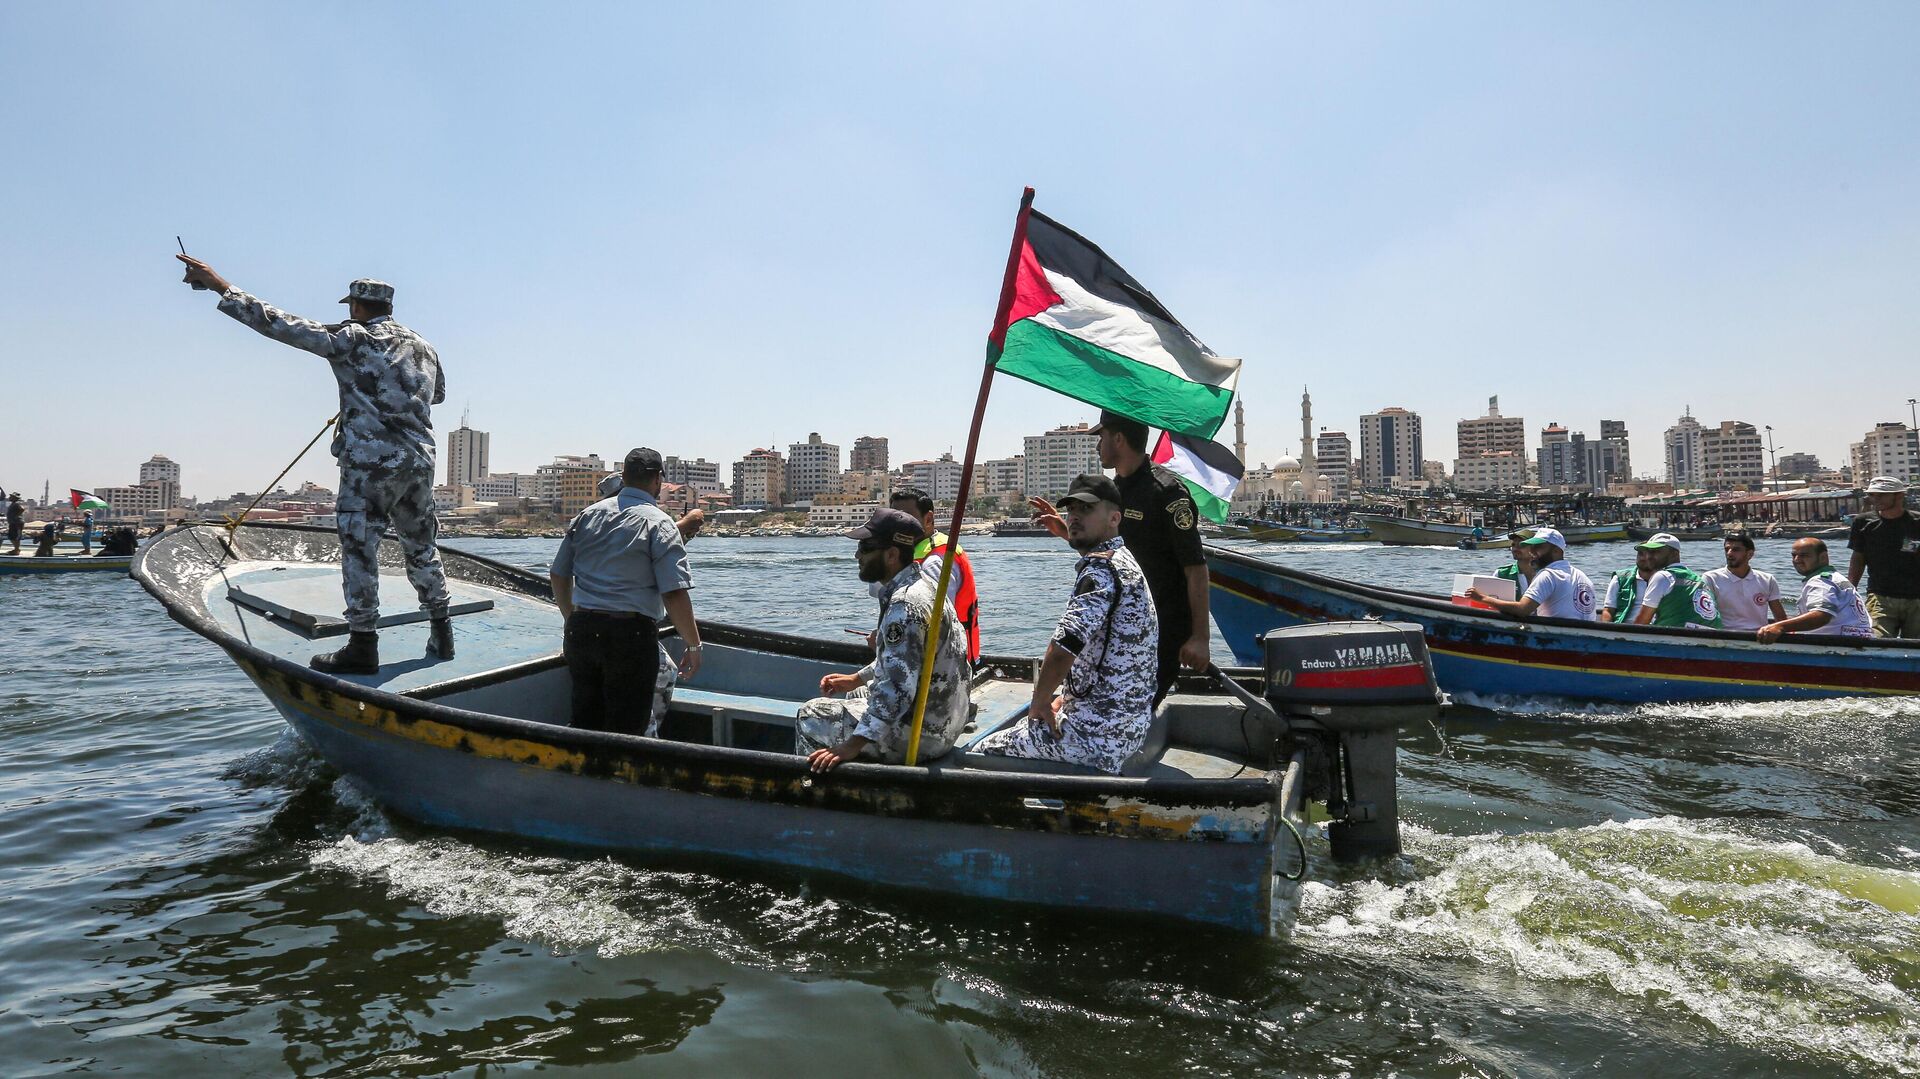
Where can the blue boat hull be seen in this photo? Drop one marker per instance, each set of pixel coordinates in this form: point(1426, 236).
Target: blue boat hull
point(1481, 655)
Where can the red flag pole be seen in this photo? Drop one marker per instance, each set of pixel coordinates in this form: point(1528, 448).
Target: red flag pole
point(995, 341)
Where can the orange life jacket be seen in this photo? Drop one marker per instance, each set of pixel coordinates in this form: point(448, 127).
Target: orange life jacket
point(961, 593)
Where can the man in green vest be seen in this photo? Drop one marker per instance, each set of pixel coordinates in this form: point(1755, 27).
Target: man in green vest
point(1674, 595)
point(1626, 588)
point(1519, 571)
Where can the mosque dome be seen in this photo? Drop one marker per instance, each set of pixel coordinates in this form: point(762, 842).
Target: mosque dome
point(1287, 464)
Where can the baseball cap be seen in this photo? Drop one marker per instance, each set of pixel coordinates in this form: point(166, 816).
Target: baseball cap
point(1546, 535)
point(890, 526)
point(1659, 541)
point(1886, 485)
point(1519, 535)
point(642, 459)
point(366, 288)
point(1092, 487)
point(1135, 431)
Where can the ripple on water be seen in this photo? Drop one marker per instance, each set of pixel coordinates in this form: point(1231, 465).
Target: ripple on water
point(1769, 942)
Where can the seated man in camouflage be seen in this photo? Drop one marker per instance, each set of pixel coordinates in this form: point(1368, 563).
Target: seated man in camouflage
point(875, 719)
point(1105, 650)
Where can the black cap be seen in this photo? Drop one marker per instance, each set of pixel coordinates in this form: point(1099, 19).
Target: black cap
point(890, 526)
point(643, 459)
point(1135, 431)
point(1093, 487)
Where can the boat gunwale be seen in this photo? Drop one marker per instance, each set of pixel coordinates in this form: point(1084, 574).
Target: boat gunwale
point(1818, 643)
point(1254, 790)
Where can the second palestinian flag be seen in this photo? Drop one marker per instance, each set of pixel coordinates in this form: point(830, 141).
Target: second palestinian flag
point(1210, 471)
point(1084, 327)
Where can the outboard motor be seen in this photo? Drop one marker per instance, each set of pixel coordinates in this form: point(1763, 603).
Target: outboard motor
point(1342, 691)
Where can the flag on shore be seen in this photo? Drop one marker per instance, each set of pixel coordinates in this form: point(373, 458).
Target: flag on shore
point(1082, 326)
point(1210, 471)
point(83, 500)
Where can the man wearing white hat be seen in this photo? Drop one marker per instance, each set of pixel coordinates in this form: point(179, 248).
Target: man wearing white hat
point(1674, 595)
point(1886, 549)
point(1557, 591)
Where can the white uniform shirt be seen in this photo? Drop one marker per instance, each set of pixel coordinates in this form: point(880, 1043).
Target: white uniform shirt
point(1562, 592)
point(1745, 602)
point(1834, 594)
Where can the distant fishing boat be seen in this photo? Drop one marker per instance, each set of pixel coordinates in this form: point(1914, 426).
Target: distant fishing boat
point(1019, 528)
point(63, 560)
point(480, 742)
point(1685, 535)
point(1489, 655)
point(1416, 531)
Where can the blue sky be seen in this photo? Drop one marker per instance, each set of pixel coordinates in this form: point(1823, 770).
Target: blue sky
point(710, 227)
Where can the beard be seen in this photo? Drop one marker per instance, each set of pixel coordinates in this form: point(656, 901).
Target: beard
point(1083, 542)
point(873, 570)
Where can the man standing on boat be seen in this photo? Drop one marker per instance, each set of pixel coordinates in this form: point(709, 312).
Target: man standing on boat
point(1161, 526)
point(918, 505)
point(1828, 601)
point(1558, 590)
point(389, 379)
point(875, 719)
point(1746, 595)
point(1104, 654)
point(621, 568)
point(16, 520)
point(1674, 595)
point(1886, 549)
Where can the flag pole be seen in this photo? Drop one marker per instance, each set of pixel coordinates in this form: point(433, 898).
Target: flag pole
point(994, 342)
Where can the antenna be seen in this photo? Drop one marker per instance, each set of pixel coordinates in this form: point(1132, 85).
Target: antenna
point(464, 413)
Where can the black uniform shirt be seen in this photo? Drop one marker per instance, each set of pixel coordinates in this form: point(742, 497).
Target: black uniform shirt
point(1893, 553)
point(1162, 529)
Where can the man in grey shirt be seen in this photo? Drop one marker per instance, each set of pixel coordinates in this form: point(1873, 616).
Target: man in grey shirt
point(622, 568)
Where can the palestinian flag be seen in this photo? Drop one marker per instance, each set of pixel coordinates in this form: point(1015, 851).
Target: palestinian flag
point(83, 500)
point(1082, 326)
point(1210, 471)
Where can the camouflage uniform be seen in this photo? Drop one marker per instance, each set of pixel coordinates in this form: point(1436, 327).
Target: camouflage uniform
point(884, 714)
point(389, 380)
point(1107, 703)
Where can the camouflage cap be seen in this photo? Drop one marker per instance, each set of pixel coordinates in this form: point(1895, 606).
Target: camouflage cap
point(368, 290)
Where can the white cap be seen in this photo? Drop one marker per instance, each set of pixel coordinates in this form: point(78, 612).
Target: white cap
point(1659, 540)
point(1544, 536)
point(1886, 485)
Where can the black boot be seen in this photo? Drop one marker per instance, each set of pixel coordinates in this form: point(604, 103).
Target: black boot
point(360, 656)
point(440, 643)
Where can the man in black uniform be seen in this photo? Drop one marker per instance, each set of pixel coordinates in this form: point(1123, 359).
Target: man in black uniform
point(1886, 549)
point(1162, 529)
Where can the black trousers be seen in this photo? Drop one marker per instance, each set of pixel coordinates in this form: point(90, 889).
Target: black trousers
point(1169, 667)
point(614, 660)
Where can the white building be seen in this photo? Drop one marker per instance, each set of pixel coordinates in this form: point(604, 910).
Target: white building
point(701, 474)
point(467, 456)
point(1685, 454)
point(1333, 456)
point(448, 497)
point(1390, 447)
point(1000, 475)
point(504, 486)
point(158, 467)
point(1490, 471)
point(1055, 458)
point(1890, 449)
point(830, 512)
point(940, 479)
point(812, 466)
point(547, 478)
point(150, 496)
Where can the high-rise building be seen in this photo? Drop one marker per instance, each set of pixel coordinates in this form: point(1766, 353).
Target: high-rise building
point(1614, 433)
point(1890, 449)
point(1390, 447)
point(1797, 465)
point(1562, 460)
point(812, 466)
point(158, 467)
point(939, 478)
point(1733, 455)
point(701, 474)
point(1685, 454)
point(467, 458)
point(869, 453)
point(1055, 458)
point(758, 479)
point(1000, 475)
point(1491, 433)
point(1490, 471)
point(1333, 455)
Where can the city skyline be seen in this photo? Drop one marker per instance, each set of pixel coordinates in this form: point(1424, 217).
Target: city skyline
point(609, 252)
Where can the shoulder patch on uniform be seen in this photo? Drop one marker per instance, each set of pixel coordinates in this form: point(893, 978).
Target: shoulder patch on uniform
point(1182, 510)
point(1087, 584)
point(896, 633)
point(1133, 515)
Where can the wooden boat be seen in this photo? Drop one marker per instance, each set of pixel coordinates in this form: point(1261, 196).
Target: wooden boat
point(1333, 535)
point(63, 560)
point(1684, 535)
point(1491, 656)
point(1417, 531)
point(1264, 531)
point(480, 743)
